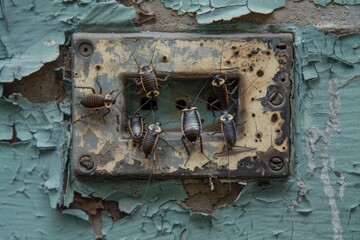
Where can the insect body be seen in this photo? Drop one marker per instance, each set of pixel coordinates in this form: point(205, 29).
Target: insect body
point(151, 138)
point(136, 127)
point(149, 81)
point(228, 129)
point(191, 127)
point(220, 91)
point(97, 101)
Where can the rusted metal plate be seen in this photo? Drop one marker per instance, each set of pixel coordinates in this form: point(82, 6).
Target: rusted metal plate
point(257, 67)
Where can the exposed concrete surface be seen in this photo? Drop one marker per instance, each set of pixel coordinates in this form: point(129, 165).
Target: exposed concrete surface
point(333, 16)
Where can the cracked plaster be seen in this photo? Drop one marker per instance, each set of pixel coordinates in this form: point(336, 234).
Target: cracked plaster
point(320, 198)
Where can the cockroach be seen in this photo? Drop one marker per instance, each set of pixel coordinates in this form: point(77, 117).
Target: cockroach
point(97, 101)
point(136, 127)
point(221, 91)
point(220, 88)
point(228, 129)
point(191, 125)
point(151, 138)
point(148, 79)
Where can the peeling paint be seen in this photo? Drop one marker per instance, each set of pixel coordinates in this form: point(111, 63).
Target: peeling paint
point(18, 42)
point(326, 2)
point(319, 201)
point(263, 6)
point(210, 11)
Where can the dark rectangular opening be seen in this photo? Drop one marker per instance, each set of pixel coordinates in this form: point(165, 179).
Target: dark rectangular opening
point(178, 92)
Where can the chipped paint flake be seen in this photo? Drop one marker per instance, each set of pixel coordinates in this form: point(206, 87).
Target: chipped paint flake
point(52, 18)
point(226, 3)
point(209, 11)
point(264, 6)
point(225, 14)
point(322, 2)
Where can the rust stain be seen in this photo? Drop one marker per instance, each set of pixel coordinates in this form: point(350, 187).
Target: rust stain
point(94, 208)
point(205, 196)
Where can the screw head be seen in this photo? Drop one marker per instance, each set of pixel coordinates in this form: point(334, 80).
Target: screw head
point(276, 163)
point(276, 98)
point(85, 49)
point(86, 163)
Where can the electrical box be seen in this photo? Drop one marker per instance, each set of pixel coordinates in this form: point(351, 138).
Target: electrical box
point(256, 69)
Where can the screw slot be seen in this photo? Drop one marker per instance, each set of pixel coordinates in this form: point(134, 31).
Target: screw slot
point(276, 98)
point(85, 49)
point(276, 163)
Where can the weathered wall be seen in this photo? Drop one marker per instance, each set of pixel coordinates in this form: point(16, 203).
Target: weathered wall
point(319, 200)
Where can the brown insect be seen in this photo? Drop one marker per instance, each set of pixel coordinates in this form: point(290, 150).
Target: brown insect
point(97, 101)
point(148, 79)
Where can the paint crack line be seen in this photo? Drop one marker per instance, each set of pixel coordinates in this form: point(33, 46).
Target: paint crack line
point(315, 135)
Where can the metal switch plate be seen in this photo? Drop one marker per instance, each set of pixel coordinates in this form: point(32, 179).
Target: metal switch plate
point(258, 67)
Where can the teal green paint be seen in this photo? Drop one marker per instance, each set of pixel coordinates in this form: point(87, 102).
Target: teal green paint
point(226, 3)
point(326, 2)
point(225, 13)
point(310, 73)
point(322, 2)
point(6, 132)
point(77, 213)
point(20, 39)
point(203, 9)
point(350, 2)
point(347, 49)
point(108, 14)
point(3, 51)
point(28, 173)
point(264, 6)
point(208, 11)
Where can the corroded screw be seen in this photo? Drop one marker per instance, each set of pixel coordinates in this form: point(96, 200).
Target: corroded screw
point(276, 98)
point(86, 162)
point(85, 49)
point(276, 163)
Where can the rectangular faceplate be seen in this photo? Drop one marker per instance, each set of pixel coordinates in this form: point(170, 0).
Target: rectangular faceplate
point(257, 70)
